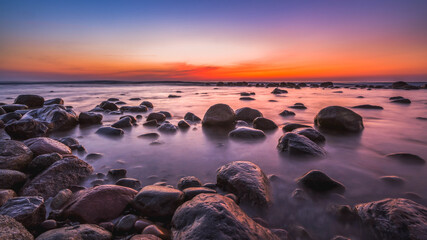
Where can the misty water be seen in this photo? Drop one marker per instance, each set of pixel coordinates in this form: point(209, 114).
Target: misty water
point(357, 161)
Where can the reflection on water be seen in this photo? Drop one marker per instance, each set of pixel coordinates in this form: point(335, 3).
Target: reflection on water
point(355, 160)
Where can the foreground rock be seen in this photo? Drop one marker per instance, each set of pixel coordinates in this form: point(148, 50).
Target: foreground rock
point(26, 128)
point(407, 158)
point(247, 114)
point(80, 232)
point(11, 179)
point(56, 117)
point(98, 204)
point(62, 174)
point(299, 145)
point(12, 230)
point(90, 118)
point(394, 218)
point(246, 133)
point(44, 145)
point(212, 216)
point(318, 181)
point(341, 119)
point(30, 211)
point(264, 124)
point(14, 155)
point(32, 101)
point(6, 194)
point(247, 181)
point(158, 201)
point(220, 115)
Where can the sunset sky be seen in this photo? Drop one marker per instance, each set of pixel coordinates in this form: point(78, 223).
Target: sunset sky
point(212, 40)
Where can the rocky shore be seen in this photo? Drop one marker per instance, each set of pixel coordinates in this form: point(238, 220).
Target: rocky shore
point(42, 197)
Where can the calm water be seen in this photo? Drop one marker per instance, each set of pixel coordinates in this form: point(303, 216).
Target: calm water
point(356, 161)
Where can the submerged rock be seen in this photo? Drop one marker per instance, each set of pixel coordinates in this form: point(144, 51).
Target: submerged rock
point(299, 145)
point(220, 115)
point(286, 113)
point(149, 135)
point(212, 216)
point(336, 118)
point(14, 155)
point(90, 118)
point(298, 106)
point(247, 114)
point(318, 181)
point(407, 158)
point(396, 218)
point(368, 106)
point(60, 175)
point(279, 91)
point(110, 131)
point(401, 100)
point(13, 230)
point(30, 211)
point(167, 128)
point(79, 232)
point(191, 117)
point(32, 101)
point(56, 117)
point(183, 124)
point(98, 204)
point(26, 128)
point(247, 181)
point(292, 126)
point(312, 134)
point(106, 105)
point(246, 133)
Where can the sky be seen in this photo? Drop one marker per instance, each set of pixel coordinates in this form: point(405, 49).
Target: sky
point(212, 40)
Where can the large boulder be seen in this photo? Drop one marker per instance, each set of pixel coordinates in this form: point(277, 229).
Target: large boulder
point(338, 119)
point(62, 174)
point(311, 134)
point(32, 101)
point(79, 232)
point(90, 118)
point(318, 181)
point(30, 211)
point(394, 218)
point(56, 117)
point(220, 115)
point(247, 114)
point(12, 230)
point(246, 133)
point(264, 124)
point(11, 179)
point(158, 201)
point(44, 145)
point(14, 155)
point(247, 181)
point(212, 216)
point(98, 204)
point(299, 145)
point(26, 128)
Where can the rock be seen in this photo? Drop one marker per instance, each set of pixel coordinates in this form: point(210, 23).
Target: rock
point(167, 128)
point(98, 204)
point(279, 91)
point(299, 233)
point(246, 133)
point(10, 116)
point(183, 124)
point(212, 216)
point(13, 107)
point(173, 96)
point(166, 113)
point(292, 126)
point(125, 224)
point(247, 181)
point(191, 117)
point(56, 117)
point(93, 156)
point(61, 198)
point(123, 123)
point(151, 123)
point(318, 181)
point(54, 101)
point(160, 117)
point(312, 134)
point(110, 131)
point(407, 158)
point(79, 232)
point(30, 211)
point(141, 224)
point(247, 114)
point(189, 181)
point(158, 201)
point(336, 118)
point(264, 124)
point(246, 98)
point(132, 118)
point(1, 124)
point(340, 238)
point(6, 194)
point(145, 237)
point(287, 113)
point(2, 111)
point(326, 84)
point(60, 175)
point(298, 106)
point(219, 115)
point(299, 145)
point(11, 179)
point(14, 155)
point(134, 109)
point(394, 218)
point(13, 230)
point(368, 106)
point(241, 123)
point(32, 101)
point(129, 182)
point(191, 192)
point(49, 224)
point(401, 100)
point(147, 104)
point(44, 145)
point(149, 135)
point(116, 173)
point(156, 231)
point(113, 99)
point(106, 105)
point(135, 99)
point(26, 128)
point(396, 97)
point(399, 85)
point(90, 118)
point(393, 180)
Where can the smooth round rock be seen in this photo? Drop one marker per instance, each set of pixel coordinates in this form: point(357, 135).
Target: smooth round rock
point(338, 119)
point(220, 115)
point(246, 133)
point(264, 124)
point(32, 101)
point(14, 155)
point(318, 181)
point(247, 114)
